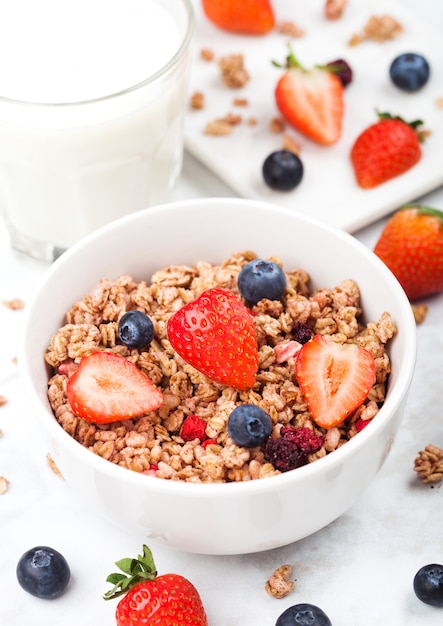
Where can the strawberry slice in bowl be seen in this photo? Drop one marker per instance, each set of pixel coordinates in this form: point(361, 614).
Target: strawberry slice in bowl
point(107, 388)
point(335, 378)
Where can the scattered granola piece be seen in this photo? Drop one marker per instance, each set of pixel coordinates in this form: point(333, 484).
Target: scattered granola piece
point(2, 400)
point(439, 103)
point(420, 312)
point(252, 121)
point(207, 55)
point(3, 485)
point(290, 144)
point(197, 100)
point(334, 9)
point(15, 304)
point(233, 71)
point(240, 102)
point(278, 584)
point(429, 464)
point(379, 29)
point(291, 29)
point(276, 125)
point(53, 466)
point(218, 128)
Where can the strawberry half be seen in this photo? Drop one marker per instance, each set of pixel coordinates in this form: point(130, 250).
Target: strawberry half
point(411, 245)
point(311, 101)
point(216, 334)
point(335, 378)
point(107, 388)
point(250, 17)
point(385, 150)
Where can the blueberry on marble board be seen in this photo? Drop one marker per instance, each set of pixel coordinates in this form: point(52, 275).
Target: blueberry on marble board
point(409, 71)
point(303, 615)
point(428, 584)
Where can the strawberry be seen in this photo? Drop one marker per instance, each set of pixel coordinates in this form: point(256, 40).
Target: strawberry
point(151, 600)
point(335, 378)
point(216, 334)
point(311, 101)
point(386, 149)
point(193, 427)
point(250, 17)
point(106, 387)
point(411, 245)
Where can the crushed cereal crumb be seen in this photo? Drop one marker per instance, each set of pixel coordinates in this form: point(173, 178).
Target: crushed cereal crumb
point(53, 465)
point(290, 28)
point(439, 103)
point(290, 144)
point(276, 125)
point(334, 9)
point(429, 464)
point(218, 128)
point(379, 29)
point(15, 305)
point(207, 55)
point(240, 102)
point(3, 400)
point(279, 585)
point(3, 485)
point(233, 71)
point(420, 312)
point(252, 121)
point(197, 100)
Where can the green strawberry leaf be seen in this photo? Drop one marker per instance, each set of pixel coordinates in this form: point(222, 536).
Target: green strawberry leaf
point(138, 570)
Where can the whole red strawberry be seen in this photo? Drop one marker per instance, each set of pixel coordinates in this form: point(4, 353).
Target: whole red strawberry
point(216, 334)
point(386, 149)
point(250, 17)
point(151, 600)
point(411, 245)
point(311, 101)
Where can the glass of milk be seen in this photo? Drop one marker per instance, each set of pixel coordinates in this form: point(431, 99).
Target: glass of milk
point(92, 102)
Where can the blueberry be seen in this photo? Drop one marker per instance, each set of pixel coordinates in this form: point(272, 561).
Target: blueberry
point(282, 170)
point(428, 584)
point(303, 615)
point(261, 279)
point(43, 572)
point(409, 71)
point(249, 426)
point(135, 329)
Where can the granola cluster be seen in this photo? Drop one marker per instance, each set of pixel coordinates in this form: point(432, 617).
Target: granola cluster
point(152, 443)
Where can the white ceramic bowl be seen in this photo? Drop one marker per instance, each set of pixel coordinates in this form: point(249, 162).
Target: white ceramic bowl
point(230, 518)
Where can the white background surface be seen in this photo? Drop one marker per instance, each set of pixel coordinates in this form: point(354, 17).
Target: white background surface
point(359, 569)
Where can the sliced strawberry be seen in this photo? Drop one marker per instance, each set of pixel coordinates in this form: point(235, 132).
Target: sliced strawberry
point(107, 388)
point(334, 378)
point(216, 334)
point(311, 101)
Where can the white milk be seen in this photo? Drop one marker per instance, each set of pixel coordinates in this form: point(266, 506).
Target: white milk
point(82, 142)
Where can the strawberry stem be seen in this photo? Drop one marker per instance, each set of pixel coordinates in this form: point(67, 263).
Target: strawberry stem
point(138, 570)
point(425, 210)
point(421, 133)
point(290, 61)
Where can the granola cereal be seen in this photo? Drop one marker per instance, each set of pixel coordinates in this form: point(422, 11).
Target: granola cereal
point(291, 28)
point(152, 444)
point(233, 71)
point(4, 482)
point(379, 29)
point(197, 100)
point(429, 464)
point(279, 585)
point(334, 9)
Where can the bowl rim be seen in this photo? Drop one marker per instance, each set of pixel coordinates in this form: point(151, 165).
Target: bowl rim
point(181, 488)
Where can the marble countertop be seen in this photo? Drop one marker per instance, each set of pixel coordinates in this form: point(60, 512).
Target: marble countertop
point(359, 569)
